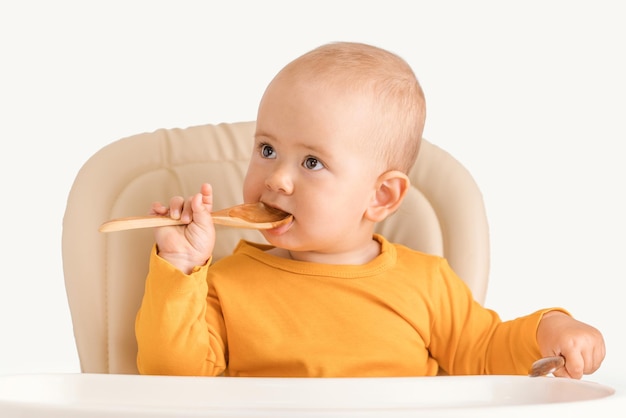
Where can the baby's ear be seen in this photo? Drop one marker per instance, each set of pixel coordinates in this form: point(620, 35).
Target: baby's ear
point(391, 187)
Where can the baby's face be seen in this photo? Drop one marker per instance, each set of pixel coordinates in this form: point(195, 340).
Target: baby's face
point(311, 159)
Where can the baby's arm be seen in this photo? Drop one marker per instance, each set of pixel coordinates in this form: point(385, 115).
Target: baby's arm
point(173, 335)
point(190, 245)
point(580, 344)
point(179, 326)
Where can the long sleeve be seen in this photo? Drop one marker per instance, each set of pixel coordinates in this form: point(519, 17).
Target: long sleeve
point(178, 328)
point(470, 339)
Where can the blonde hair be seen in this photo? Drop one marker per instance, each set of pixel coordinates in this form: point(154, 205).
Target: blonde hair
point(400, 107)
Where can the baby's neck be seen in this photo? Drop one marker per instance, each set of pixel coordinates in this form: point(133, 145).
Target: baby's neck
point(359, 256)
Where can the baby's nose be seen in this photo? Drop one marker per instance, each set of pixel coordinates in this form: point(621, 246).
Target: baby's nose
point(279, 181)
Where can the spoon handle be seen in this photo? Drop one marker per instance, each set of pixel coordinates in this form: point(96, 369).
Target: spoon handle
point(136, 222)
point(151, 221)
point(546, 365)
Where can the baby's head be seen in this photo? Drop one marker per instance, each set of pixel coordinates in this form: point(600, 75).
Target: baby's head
point(378, 79)
point(337, 131)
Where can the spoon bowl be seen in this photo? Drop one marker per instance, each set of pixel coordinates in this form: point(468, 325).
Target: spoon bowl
point(546, 365)
point(246, 215)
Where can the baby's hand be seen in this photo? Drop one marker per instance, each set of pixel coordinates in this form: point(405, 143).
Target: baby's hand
point(192, 244)
point(580, 344)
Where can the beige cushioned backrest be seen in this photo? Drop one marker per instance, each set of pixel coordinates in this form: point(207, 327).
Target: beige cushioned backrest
point(104, 273)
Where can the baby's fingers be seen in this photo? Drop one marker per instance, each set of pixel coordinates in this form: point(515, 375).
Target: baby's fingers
point(157, 208)
point(595, 358)
point(202, 205)
point(207, 196)
point(574, 366)
point(579, 363)
point(176, 207)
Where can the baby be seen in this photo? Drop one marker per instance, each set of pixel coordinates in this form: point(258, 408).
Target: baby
point(336, 133)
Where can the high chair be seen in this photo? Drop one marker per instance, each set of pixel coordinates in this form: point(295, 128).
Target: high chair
point(442, 214)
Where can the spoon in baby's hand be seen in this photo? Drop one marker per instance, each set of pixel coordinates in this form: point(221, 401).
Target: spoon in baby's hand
point(546, 365)
point(247, 215)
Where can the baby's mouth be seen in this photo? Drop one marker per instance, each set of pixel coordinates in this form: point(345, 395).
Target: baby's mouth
point(274, 212)
point(282, 220)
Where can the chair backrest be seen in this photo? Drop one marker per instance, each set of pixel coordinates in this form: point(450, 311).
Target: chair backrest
point(443, 214)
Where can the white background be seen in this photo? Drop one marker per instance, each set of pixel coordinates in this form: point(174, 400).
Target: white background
point(529, 95)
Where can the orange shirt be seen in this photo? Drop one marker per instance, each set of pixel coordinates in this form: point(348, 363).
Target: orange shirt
point(405, 313)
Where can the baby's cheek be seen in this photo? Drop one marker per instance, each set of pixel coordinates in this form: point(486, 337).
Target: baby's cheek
point(250, 190)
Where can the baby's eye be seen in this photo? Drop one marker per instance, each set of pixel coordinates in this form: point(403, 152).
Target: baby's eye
point(312, 163)
point(267, 151)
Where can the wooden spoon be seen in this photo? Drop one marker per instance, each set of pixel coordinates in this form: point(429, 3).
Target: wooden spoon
point(546, 365)
point(247, 215)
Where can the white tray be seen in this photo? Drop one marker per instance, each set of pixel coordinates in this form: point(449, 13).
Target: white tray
point(102, 395)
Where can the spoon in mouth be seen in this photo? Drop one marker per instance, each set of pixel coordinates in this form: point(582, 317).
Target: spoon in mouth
point(246, 215)
point(546, 365)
